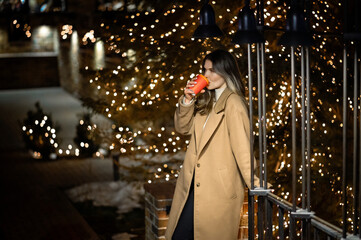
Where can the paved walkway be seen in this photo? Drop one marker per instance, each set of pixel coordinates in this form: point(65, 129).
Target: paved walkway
point(32, 201)
point(33, 204)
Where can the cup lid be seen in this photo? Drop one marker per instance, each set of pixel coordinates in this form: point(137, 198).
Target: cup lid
point(204, 78)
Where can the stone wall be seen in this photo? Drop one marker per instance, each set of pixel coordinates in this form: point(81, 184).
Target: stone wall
point(28, 71)
point(158, 200)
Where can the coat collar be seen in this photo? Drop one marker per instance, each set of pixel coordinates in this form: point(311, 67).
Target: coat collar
point(215, 117)
point(221, 103)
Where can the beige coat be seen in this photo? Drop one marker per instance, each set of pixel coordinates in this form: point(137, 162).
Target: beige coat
point(219, 157)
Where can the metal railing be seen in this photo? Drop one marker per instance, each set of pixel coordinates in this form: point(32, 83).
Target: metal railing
point(310, 223)
point(302, 223)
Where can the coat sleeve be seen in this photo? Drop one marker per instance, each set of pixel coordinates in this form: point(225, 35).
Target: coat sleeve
point(183, 117)
point(239, 134)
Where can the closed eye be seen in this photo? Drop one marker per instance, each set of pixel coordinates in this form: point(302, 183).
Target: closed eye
point(209, 69)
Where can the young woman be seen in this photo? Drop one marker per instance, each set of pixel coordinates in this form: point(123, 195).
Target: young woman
point(210, 188)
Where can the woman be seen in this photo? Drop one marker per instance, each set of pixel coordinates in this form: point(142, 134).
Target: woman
point(210, 188)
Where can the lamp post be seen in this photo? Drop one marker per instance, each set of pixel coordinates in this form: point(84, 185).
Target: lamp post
point(207, 26)
point(297, 34)
point(248, 34)
point(352, 38)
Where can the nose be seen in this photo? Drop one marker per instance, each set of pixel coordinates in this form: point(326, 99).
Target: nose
point(206, 74)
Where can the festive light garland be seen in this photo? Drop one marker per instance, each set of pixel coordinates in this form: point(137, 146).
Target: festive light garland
point(140, 84)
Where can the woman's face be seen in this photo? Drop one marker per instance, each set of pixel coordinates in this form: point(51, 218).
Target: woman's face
point(215, 80)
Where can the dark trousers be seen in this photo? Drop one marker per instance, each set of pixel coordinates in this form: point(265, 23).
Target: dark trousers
point(185, 226)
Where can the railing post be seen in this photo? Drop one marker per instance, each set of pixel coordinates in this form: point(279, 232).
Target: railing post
point(261, 194)
point(260, 115)
point(360, 163)
point(344, 128)
point(308, 125)
point(303, 140)
point(250, 196)
point(269, 211)
point(260, 214)
point(315, 234)
point(250, 215)
point(264, 119)
point(292, 228)
point(355, 173)
point(281, 232)
point(294, 166)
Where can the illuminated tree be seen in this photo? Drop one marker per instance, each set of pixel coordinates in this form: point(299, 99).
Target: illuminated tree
point(39, 133)
point(157, 55)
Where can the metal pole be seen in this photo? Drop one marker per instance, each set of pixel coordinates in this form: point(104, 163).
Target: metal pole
point(251, 137)
point(355, 199)
point(268, 207)
point(293, 130)
point(264, 119)
point(344, 209)
point(261, 208)
point(260, 214)
point(260, 116)
point(308, 139)
point(292, 228)
point(269, 211)
point(303, 128)
point(293, 86)
point(304, 222)
point(359, 179)
point(281, 232)
point(308, 97)
point(344, 215)
point(250, 215)
point(250, 197)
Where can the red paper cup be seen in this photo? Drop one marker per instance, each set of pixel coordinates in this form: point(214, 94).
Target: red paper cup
point(202, 82)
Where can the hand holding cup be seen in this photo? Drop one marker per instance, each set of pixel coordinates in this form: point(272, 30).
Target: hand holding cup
point(195, 86)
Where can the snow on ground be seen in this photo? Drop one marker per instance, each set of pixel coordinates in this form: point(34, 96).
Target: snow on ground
point(123, 195)
point(123, 236)
point(140, 159)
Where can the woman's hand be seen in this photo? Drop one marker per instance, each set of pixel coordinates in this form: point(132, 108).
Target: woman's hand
point(188, 93)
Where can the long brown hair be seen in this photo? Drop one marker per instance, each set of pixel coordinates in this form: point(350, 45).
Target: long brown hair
point(225, 64)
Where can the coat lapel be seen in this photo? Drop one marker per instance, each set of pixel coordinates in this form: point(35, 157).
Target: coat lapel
point(215, 118)
point(199, 129)
point(211, 126)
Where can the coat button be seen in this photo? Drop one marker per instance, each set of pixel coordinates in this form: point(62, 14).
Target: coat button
point(198, 184)
point(198, 164)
